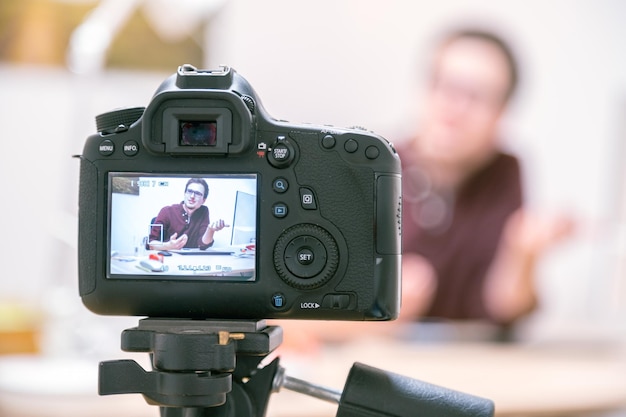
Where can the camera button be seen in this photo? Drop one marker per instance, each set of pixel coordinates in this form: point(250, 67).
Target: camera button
point(131, 148)
point(106, 148)
point(280, 185)
point(372, 152)
point(278, 300)
point(305, 256)
point(328, 142)
point(336, 301)
point(351, 146)
point(279, 210)
point(307, 199)
point(281, 153)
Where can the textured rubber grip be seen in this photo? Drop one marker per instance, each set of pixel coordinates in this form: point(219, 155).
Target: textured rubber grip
point(372, 392)
point(87, 212)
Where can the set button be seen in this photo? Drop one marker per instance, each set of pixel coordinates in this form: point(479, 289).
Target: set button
point(305, 256)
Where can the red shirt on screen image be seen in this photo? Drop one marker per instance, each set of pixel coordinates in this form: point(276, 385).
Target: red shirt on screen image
point(175, 219)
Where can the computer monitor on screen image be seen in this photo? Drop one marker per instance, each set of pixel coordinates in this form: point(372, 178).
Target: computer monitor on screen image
point(244, 220)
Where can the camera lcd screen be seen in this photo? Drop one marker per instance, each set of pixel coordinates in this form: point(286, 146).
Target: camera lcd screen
point(182, 226)
point(198, 133)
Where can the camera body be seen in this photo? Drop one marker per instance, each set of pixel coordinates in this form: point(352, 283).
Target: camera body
point(309, 217)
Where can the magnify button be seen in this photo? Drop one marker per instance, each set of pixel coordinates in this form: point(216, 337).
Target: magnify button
point(280, 185)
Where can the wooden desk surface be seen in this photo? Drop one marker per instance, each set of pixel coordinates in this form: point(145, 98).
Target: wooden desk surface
point(529, 381)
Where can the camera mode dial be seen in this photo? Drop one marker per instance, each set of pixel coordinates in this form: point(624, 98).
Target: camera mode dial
point(117, 120)
point(306, 256)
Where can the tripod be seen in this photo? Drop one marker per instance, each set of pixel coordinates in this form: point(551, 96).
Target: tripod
point(212, 369)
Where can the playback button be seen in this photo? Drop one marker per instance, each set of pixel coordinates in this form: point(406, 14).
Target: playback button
point(279, 210)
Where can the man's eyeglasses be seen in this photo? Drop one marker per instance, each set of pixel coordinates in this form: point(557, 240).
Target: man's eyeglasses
point(197, 194)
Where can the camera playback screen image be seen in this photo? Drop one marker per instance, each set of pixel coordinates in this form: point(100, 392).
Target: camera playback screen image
point(200, 227)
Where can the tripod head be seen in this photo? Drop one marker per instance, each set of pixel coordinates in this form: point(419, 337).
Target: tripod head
point(212, 369)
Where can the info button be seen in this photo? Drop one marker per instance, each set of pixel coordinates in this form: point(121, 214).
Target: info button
point(306, 256)
point(131, 148)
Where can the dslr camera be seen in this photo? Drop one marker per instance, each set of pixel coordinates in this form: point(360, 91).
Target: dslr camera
point(202, 206)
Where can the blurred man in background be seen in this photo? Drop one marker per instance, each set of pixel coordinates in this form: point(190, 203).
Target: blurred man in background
point(470, 247)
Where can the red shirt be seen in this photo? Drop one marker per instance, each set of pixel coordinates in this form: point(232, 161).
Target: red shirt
point(175, 219)
point(459, 232)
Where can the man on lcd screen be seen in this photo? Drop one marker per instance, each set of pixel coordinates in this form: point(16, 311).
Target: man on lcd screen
point(186, 224)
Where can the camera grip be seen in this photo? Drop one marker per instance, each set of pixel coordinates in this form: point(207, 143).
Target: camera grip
point(87, 213)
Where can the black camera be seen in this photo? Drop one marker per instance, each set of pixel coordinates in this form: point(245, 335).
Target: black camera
point(201, 205)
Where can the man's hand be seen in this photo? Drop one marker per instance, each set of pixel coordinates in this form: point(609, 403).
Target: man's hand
point(218, 225)
point(176, 242)
point(534, 233)
point(509, 291)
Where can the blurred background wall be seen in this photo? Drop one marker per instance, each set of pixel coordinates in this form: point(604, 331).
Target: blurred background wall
point(348, 62)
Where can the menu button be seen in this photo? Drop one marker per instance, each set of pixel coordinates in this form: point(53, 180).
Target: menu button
point(106, 148)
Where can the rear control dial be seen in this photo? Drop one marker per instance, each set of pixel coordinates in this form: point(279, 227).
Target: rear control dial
point(306, 256)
